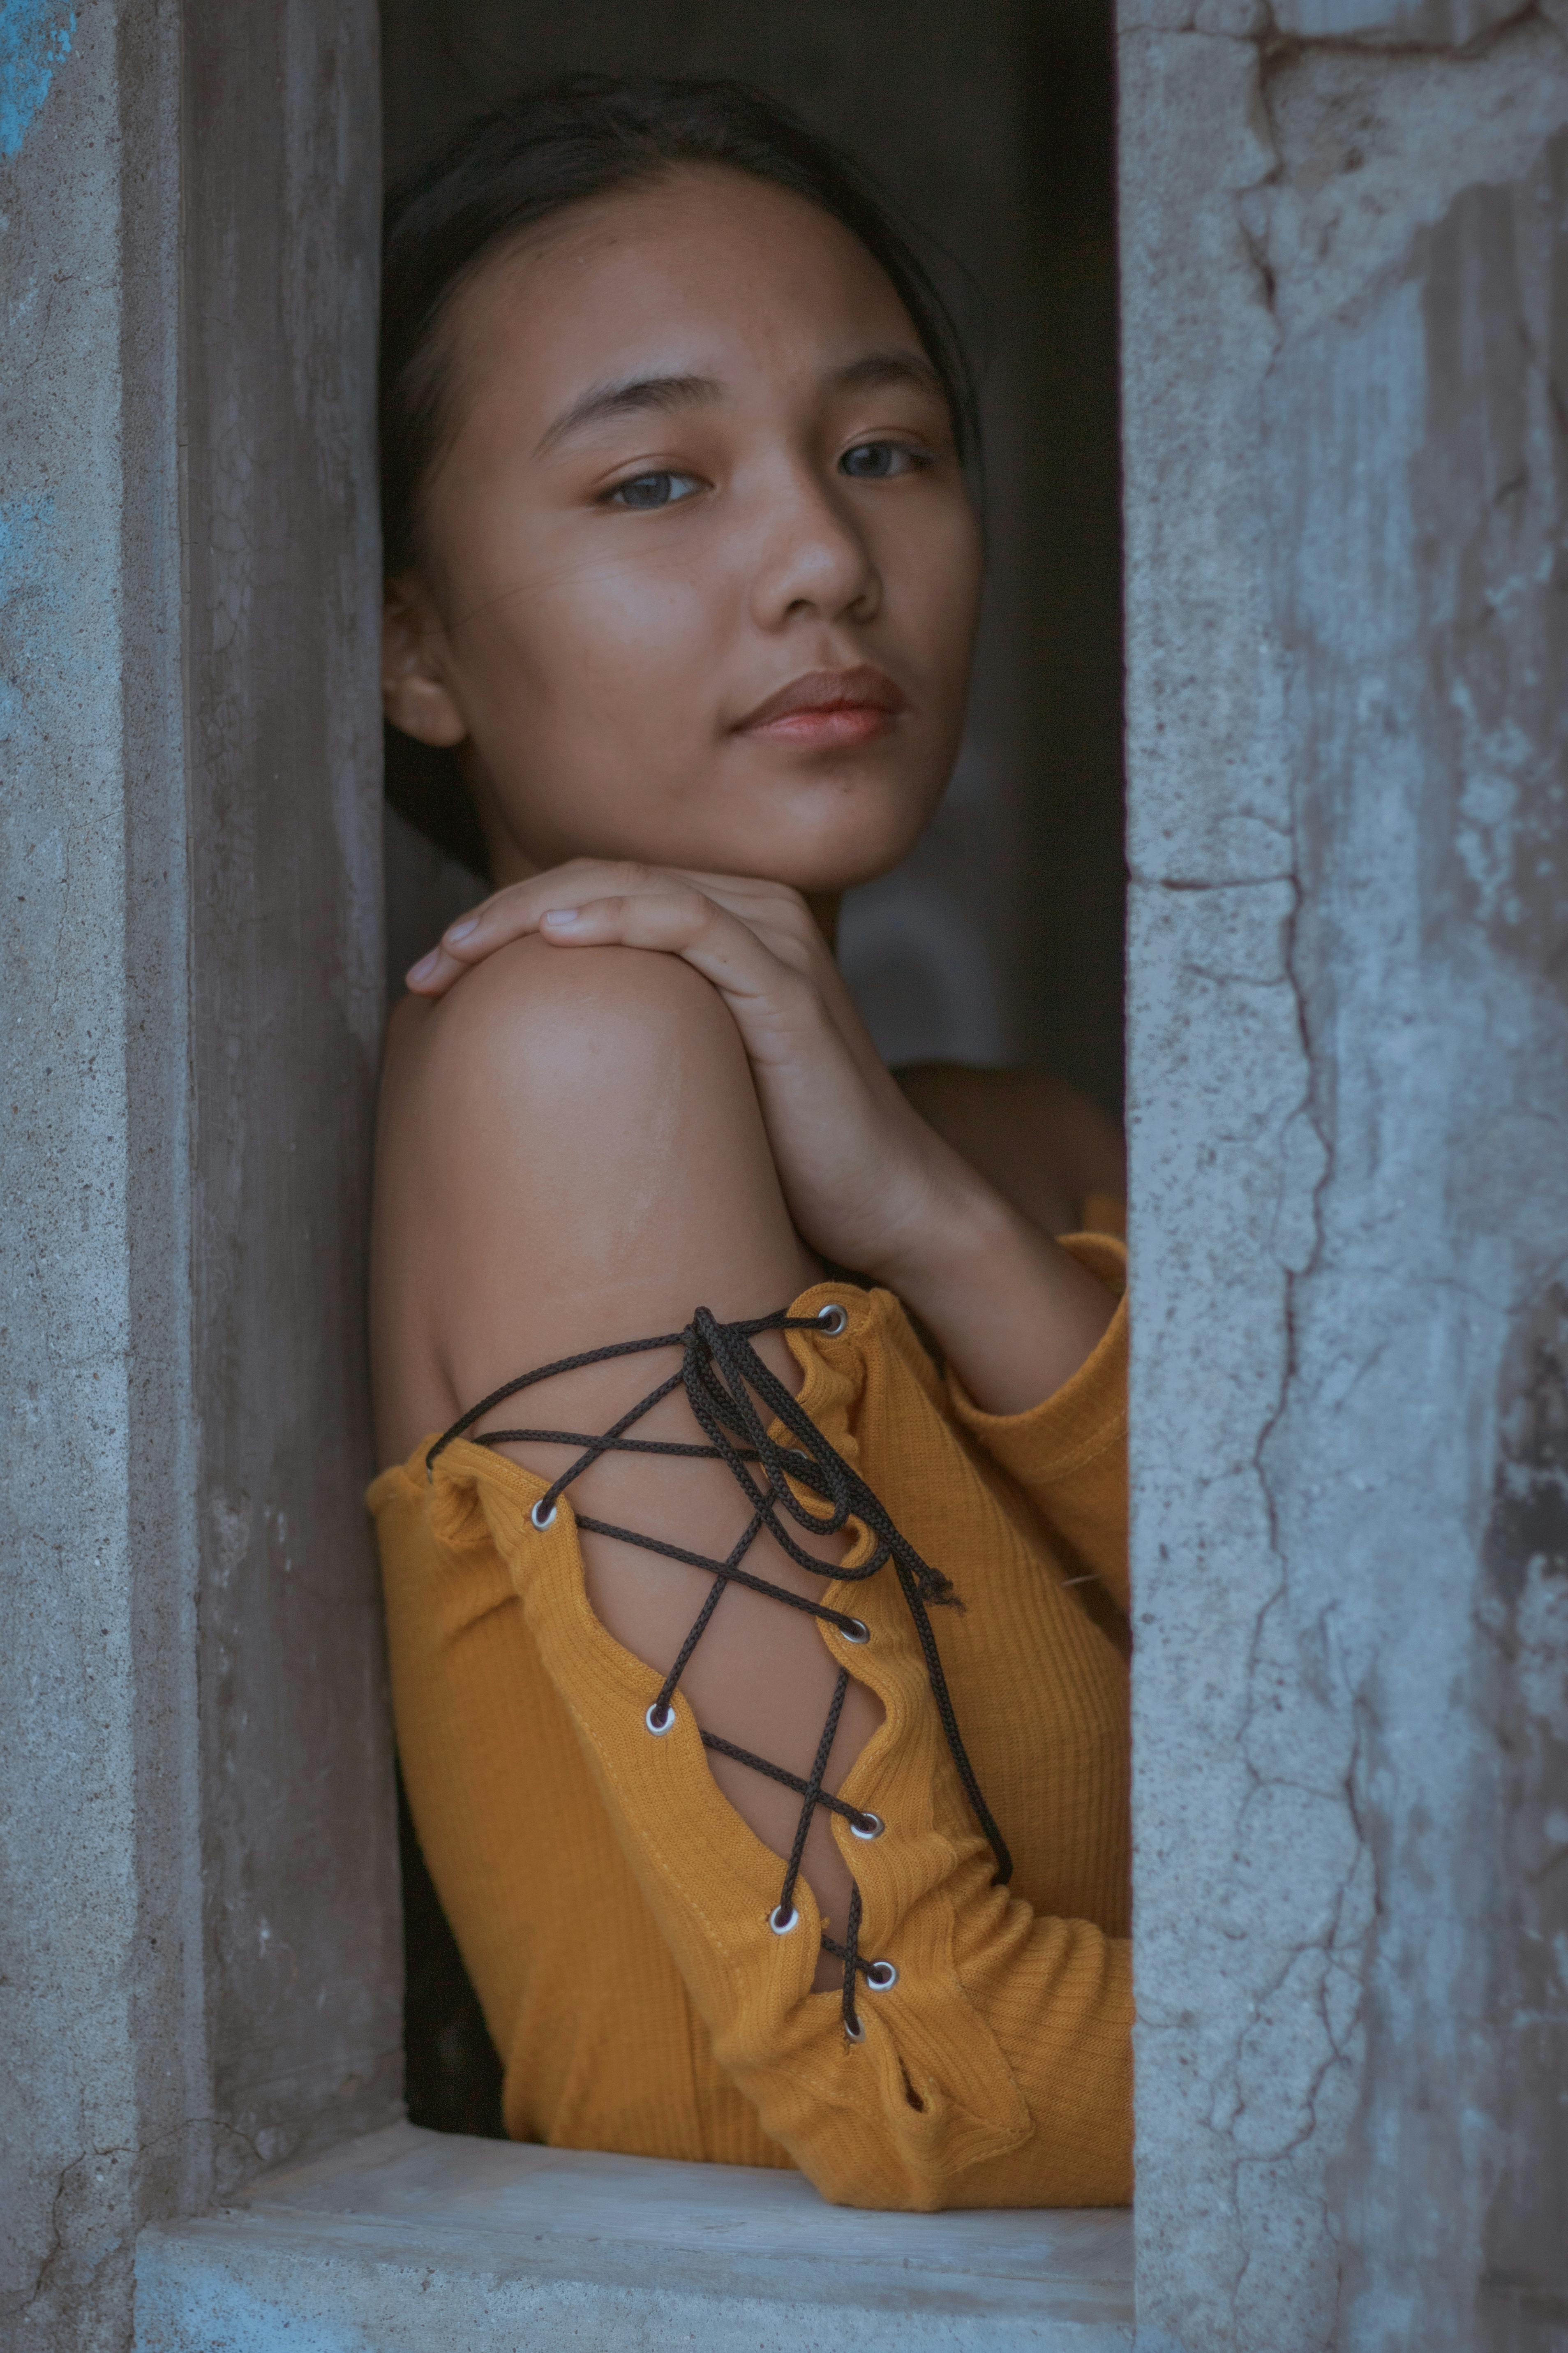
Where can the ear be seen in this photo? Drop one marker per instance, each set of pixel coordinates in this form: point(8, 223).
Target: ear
point(413, 690)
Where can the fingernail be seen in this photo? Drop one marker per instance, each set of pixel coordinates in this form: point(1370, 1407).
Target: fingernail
point(424, 968)
point(561, 917)
point(461, 928)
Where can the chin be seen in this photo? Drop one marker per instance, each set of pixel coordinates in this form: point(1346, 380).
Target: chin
point(821, 869)
point(841, 832)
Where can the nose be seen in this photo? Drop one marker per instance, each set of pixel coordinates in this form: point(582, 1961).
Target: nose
point(813, 559)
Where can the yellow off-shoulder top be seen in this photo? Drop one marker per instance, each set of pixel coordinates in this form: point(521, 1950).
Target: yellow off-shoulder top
point(611, 1906)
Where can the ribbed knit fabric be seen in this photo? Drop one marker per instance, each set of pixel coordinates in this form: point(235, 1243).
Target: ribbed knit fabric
point(613, 1907)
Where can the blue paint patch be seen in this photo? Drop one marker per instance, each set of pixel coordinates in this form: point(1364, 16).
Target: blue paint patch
point(22, 522)
point(35, 37)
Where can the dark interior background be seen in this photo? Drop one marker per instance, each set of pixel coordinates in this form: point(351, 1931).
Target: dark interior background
point(1000, 940)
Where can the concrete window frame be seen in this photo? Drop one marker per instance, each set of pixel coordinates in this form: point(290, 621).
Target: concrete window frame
point(1343, 232)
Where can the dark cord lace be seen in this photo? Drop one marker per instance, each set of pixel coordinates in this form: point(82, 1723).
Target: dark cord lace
point(722, 1374)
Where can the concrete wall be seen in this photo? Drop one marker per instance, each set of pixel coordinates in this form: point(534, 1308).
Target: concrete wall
point(282, 661)
point(1001, 937)
point(1346, 339)
point(194, 1739)
point(102, 2012)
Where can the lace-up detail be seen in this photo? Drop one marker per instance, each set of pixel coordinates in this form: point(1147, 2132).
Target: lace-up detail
point(725, 1381)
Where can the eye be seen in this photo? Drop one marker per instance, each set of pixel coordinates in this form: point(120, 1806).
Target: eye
point(653, 490)
point(878, 461)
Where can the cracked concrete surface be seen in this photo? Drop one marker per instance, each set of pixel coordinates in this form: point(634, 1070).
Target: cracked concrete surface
point(97, 1905)
point(1347, 362)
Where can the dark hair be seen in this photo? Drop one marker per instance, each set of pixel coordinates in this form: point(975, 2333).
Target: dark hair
point(551, 145)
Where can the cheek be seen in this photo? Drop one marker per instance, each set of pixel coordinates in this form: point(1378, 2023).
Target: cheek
point(944, 575)
point(591, 642)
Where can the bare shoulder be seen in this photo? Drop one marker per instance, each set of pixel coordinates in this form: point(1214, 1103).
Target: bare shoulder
point(534, 1018)
point(569, 1149)
point(1044, 1144)
point(523, 1094)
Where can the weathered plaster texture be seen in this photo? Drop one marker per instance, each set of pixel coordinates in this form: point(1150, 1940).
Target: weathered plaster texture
point(299, 1859)
point(1346, 312)
point(188, 830)
point(100, 1971)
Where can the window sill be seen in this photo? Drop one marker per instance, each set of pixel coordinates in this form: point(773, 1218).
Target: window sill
point(409, 2238)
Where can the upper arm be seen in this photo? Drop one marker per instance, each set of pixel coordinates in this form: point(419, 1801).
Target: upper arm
point(572, 1154)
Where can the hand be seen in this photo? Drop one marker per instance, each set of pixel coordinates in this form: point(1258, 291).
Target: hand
point(868, 1184)
point(866, 1180)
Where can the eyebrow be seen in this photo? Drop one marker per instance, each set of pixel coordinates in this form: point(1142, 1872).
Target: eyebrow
point(894, 367)
point(639, 395)
point(636, 395)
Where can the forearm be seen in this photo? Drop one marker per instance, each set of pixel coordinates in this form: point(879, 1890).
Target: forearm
point(1014, 1313)
point(1047, 1148)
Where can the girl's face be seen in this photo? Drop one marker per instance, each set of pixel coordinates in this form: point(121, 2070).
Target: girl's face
point(700, 573)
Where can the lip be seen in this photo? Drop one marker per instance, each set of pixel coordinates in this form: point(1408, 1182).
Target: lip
point(827, 709)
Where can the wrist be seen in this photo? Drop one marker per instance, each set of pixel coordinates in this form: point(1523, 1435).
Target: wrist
point(954, 1224)
point(1014, 1313)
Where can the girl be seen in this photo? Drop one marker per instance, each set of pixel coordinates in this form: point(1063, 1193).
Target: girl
point(754, 1554)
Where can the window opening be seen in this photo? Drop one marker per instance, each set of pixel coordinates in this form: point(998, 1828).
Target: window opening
point(996, 136)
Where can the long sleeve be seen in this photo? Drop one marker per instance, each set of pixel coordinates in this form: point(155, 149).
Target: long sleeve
point(1069, 1453)
point(996, 2069)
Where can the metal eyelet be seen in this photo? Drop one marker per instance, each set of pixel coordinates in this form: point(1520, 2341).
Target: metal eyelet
point(658, 1726)
point(781, 1922)
point(880, 1976)
point(855, 2033)
point(549, 1519)
point(832, 1319)
point(855, 1632)
point(866, 1826)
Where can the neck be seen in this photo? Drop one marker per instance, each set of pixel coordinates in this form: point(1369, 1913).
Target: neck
point(510, 863)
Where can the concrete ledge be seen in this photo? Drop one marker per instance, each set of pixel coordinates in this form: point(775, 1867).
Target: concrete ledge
point(414, 2240)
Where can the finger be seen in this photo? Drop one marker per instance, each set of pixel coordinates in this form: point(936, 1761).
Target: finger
point(753, 980)
point(677, 919)
point(779, 916)
point(512, 912)
point(434, 974)
point(785, 923)
point(468, 940)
